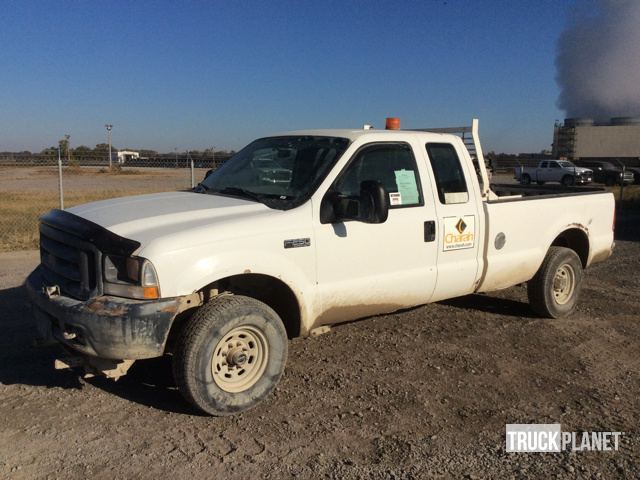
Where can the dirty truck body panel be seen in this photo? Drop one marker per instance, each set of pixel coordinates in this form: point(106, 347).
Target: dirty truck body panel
point(446, 235)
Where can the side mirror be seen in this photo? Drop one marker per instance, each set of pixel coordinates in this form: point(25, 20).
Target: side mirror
point(372, 205)
point(374, 202)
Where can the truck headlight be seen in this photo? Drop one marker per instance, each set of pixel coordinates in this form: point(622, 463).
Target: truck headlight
point(131, 277)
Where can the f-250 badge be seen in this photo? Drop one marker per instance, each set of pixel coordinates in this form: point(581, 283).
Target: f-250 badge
point(297, 242)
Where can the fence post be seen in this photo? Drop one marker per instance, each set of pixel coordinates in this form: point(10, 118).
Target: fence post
point(60, 181)
point(193, 179)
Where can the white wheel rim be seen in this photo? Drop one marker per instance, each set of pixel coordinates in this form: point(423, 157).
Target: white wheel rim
point(564, 284)
point(239, 359)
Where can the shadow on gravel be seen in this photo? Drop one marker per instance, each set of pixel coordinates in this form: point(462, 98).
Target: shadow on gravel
point(485, 303)
point(149, 383)
point(628, 224)
point(20, 361)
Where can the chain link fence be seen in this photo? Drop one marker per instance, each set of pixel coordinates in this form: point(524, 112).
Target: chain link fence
point(31, 185)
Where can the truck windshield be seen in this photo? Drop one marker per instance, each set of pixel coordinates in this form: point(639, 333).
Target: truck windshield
point(566, 164)
point(281, 172)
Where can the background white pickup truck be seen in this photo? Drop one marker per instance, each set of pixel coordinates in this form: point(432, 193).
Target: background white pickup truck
point(561, 171)
point(367, 222)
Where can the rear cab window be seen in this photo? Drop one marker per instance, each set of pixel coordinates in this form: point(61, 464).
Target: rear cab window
point(447, 171)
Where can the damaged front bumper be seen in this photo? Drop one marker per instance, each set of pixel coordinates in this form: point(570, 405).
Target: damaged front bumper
point(105, 327)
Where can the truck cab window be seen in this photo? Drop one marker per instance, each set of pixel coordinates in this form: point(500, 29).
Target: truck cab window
point(554, 165)
point(544, 165)
point(393, 165)
point(447, 170)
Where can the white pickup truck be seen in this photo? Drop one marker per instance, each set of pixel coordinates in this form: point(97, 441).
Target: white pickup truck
point(369, 221)
point(561, 171)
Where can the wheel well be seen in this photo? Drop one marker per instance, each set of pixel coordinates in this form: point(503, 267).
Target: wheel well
point(269, 290)
point(575, 239)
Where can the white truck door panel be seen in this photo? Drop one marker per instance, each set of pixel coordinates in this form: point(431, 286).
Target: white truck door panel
point(459, 223)
point(372, 268)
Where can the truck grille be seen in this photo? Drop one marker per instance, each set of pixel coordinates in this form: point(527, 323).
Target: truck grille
point(70, 263)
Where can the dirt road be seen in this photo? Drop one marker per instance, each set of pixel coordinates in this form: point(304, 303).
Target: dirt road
point(422, 393)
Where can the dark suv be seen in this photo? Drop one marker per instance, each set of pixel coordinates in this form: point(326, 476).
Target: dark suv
point(608, 173)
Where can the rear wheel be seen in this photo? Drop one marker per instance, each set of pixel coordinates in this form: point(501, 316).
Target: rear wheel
point(554, 290)
point(525, 179)
point(231, 355)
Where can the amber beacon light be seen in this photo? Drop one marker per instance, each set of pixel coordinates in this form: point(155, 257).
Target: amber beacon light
point(393, 123)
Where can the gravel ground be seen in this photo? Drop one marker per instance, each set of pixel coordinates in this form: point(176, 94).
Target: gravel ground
point(422, 393)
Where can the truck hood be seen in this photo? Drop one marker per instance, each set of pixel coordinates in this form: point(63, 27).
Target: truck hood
point(146, 218)
point(582, 170)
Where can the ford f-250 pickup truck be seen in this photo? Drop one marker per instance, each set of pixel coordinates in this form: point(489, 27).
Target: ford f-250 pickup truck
point(561, 171)
point(370, 221)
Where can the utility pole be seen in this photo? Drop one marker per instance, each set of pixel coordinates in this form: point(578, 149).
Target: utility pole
point(67, 137)
point(108, 126)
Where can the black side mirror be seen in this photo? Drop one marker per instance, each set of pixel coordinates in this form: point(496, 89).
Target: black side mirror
point(329, 207)
point(374, 202)
point(372, 205)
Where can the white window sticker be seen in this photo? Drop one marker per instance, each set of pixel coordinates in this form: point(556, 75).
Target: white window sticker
point(395, 198)
point(459, 232)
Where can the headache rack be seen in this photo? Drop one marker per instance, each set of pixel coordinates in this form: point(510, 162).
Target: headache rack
point(471, 140)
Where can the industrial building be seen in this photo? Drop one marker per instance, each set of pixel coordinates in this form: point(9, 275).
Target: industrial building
point(586, 139)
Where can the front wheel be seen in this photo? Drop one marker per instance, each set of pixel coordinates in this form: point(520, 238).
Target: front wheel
point(568, 181)
point(230, 355)
point(554, 290)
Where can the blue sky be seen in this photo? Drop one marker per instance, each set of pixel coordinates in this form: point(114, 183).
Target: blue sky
point(195, 74)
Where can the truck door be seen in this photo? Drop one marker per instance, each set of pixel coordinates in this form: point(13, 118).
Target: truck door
point(554, 172)
point(459, 235)
point(543, 172)
point(372, 268)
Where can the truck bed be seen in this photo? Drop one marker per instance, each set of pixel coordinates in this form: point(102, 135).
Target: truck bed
point(519, 230)
point(514, 192)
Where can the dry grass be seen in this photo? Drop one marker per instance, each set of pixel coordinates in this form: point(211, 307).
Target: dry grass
point(19, 213)
point(630, 197)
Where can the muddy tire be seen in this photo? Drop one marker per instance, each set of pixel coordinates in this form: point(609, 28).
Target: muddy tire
point(554, 290)
point(230, 355)
point(525, 179)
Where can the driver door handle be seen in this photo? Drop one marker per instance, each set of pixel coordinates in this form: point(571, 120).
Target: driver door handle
point(429, 231)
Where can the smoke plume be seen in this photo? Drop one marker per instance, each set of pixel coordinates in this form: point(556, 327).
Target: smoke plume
point(598, 60)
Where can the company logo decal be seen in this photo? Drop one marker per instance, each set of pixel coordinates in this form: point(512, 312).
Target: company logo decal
point(459, 232)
